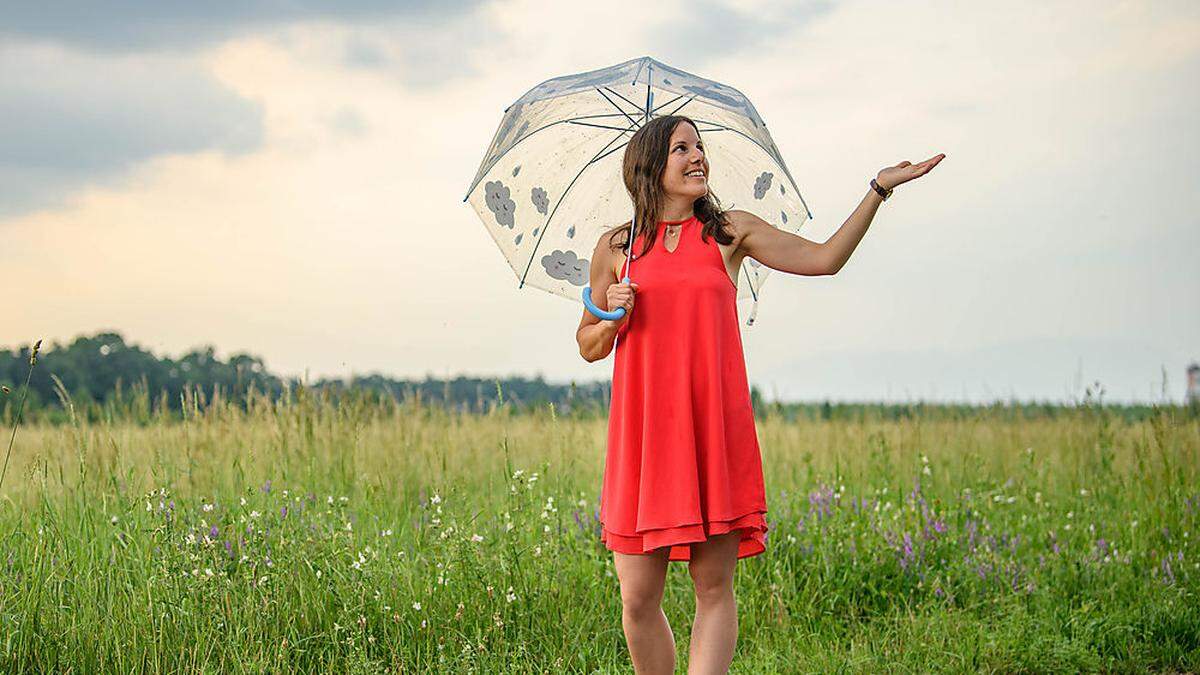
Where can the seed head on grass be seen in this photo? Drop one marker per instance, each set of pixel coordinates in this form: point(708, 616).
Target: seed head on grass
point(37, 346)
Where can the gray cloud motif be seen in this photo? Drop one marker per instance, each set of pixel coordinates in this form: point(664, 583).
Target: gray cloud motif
point(517, 170)
point(571, 232)
point(517, 241)
point(498, 201)
point(712, 93)
point(540, 200)
point(567, 266)
point(762, 184)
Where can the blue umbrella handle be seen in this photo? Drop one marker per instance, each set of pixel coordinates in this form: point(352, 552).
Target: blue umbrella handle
point(591, 306)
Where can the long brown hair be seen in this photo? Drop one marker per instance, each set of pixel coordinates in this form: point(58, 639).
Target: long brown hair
point(645, 159)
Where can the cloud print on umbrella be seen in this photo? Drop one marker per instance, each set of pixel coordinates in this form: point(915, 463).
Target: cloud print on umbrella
point(565, 265)
point(540, 200)
point(762, 184)
point(500, 203)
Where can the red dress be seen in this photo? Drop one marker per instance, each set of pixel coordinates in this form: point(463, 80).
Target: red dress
point(683, 460)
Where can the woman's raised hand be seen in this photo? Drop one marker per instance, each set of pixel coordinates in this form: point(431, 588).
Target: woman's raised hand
point(621, 295)
point(891, 176)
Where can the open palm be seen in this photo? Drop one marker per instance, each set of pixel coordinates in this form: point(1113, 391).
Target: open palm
point(890, 177)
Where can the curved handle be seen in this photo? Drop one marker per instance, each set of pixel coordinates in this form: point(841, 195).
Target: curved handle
point(591, 306)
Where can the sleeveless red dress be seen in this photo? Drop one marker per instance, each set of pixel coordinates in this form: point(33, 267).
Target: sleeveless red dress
point(683, 460)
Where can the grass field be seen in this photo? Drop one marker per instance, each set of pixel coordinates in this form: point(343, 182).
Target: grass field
point(361, 536)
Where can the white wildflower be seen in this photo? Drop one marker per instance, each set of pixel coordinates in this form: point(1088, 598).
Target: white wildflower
point(207, 507)
point(476, 538)
point(417, 606)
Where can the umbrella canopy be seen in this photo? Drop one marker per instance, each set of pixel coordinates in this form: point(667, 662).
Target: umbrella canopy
point(550, 182)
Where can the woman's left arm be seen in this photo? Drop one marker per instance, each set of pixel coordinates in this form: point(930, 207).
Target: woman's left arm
point(787, 252)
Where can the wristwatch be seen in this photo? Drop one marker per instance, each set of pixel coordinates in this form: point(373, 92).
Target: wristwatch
point(882, 193)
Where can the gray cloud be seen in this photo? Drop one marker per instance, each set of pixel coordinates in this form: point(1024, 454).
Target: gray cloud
point(714, 29)
point(124, 26)
point(71, 120)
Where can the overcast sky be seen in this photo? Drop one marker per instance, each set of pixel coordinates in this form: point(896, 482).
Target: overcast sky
point(289, 182)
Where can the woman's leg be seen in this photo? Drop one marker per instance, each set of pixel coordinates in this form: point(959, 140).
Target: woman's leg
point(714, 632)
point(651, 644)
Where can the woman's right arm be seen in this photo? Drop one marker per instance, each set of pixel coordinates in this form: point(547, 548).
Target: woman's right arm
point(595, 335)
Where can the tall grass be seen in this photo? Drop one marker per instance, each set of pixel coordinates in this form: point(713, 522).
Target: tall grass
point(373, 535)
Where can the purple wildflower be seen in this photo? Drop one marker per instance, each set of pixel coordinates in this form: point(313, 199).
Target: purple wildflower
point(213, 532)
point(266, 488)
point(1168, 574)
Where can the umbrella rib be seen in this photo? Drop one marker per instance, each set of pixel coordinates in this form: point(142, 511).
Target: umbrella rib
point(649, 79)
point(598, 126)
point(722, 127)
point(663, 105)
point(750, 283)
point(604, 152)
point(545, 126)
point(614, 104)
point(618, 95)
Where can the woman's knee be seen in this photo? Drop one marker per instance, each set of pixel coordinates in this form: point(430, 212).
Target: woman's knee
point(641, 578)
point(640, 601)
point(712, 584)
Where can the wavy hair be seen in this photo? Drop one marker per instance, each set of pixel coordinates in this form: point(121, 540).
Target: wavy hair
point(644, 162)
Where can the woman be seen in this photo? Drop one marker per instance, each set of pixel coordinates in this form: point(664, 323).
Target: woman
point(683, 475)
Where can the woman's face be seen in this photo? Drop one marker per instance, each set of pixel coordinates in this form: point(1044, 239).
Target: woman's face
point(685, 155)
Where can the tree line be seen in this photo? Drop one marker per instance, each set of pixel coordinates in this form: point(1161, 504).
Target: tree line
point(103, 375)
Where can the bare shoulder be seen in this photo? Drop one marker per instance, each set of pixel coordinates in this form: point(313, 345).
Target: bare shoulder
point(609, 238)
point(606, 253)
point(742, 220)
point(741, 223)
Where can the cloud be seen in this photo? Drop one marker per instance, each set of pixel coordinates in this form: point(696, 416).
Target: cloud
point(181, 25)
point(711, 29)
point(72, 119)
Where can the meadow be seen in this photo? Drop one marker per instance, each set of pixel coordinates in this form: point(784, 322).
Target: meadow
point(362, 535)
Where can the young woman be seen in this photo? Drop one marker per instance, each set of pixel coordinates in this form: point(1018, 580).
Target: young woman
point(683, 475)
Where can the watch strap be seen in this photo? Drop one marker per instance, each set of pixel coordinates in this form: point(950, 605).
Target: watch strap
point(879, 189)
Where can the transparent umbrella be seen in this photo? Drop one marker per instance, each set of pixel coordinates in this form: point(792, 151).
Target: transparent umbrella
point(550, 182)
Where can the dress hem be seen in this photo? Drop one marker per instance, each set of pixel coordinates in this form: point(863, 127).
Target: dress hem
point(679, 538)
